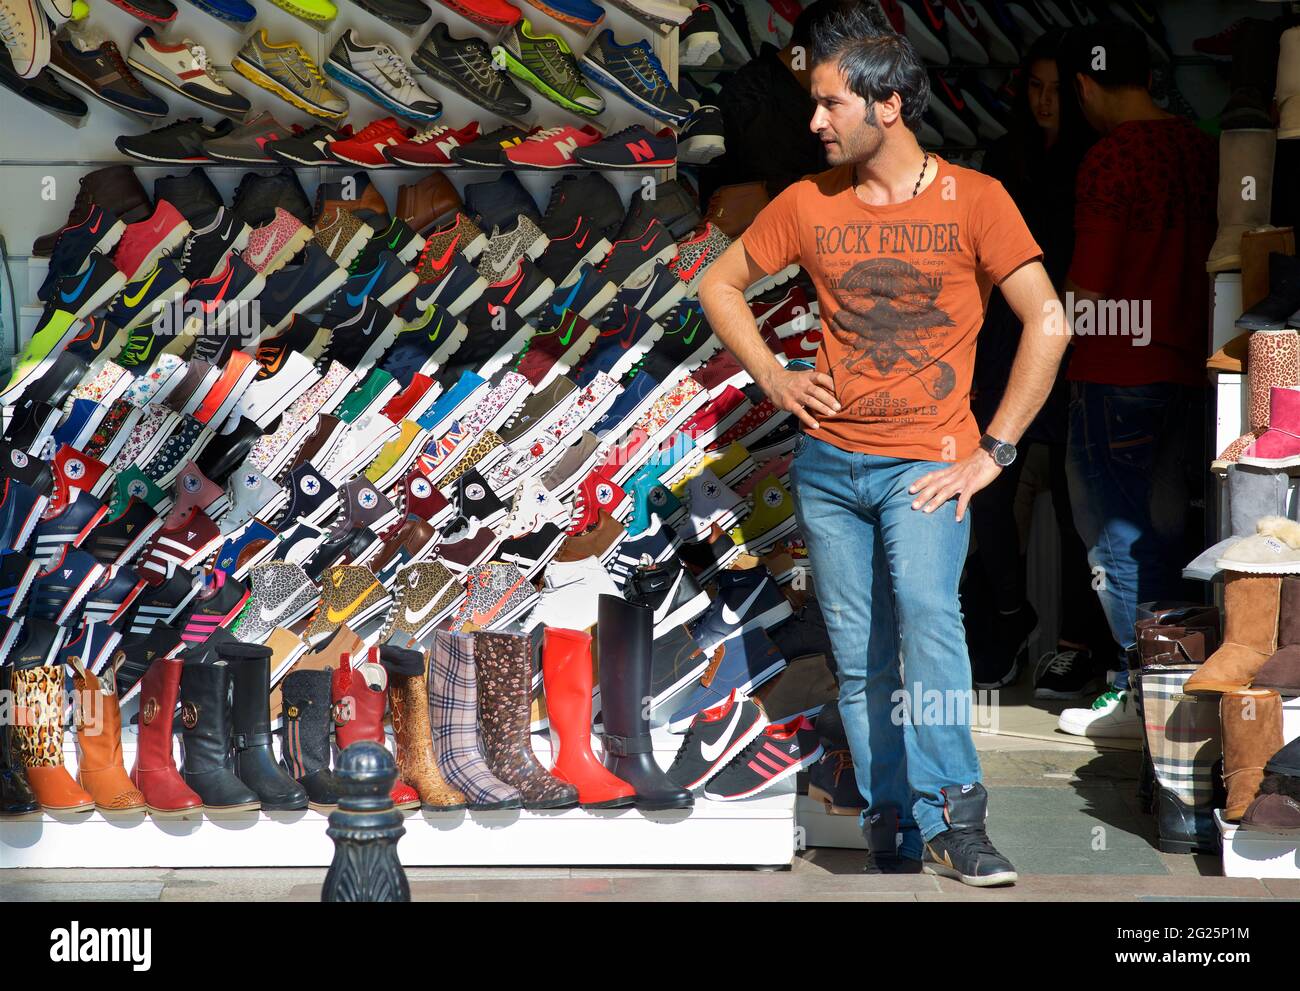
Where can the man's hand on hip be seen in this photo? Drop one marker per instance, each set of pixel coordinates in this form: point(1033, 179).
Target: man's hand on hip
point(963, 479)
point(805, 394)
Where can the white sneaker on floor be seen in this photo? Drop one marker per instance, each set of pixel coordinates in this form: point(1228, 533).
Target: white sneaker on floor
point(1112, 716)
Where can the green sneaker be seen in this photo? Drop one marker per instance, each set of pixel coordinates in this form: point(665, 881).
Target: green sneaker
point(373, 393)
point(134, 482)
point(56, 329)
point(546, 63)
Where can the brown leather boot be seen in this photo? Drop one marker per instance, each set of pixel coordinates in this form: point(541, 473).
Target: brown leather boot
point(1250, 607)
point(1252, 733)
point(422, 204)
point(408, 702)
point(38, 715)
point(100, 769)
point(115, 188)
point(733, 208)
point(1281, 672)
point(368, 198)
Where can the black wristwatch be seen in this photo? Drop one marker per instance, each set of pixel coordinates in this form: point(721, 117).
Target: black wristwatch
point(1001, 452)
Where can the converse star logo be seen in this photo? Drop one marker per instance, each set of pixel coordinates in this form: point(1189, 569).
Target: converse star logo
point(711, 490)
point(540, 498)
point(772, 497)
point(74, 469)
point(604, 493)
point(251, 481)
point(421, 488)
point(137, 489)
point(191, 483)
point(310, 485)
point(19, 458)
point(368, 498)
point(474, 491)
point(657, 497)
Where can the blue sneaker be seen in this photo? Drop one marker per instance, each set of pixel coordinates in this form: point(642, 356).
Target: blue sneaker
point(69, 528)
point(79, 425)
point(91, 646)
point(587, 294)
point(649, 499)
point(580, 13)
point(16, 574)
point(114, 595)
point(228, 555)
point(740, 664)
point(234, 11)
point(654, 545)
point(746, 600)
point(626, 334)
point(57, 592)
point(634, 73)
point(468, 391)
point(639, 395)
point(20, 512)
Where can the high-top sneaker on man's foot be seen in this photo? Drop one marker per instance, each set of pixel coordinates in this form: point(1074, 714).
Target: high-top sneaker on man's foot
point(964, 851)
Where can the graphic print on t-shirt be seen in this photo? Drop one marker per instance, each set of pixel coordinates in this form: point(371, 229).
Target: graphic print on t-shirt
point(902, 289)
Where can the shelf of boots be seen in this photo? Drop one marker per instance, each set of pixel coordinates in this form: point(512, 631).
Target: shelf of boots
point(757, 832)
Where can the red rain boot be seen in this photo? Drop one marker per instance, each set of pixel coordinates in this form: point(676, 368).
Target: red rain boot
point(360, 696)
point(155, 773)
point(566, 675)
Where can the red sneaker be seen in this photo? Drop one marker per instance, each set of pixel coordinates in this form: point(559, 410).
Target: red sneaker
point(431, 147)
point(493, 13)
point(366, 148)
point(147, 240)
point(74, 470)
point(552, 147)
point(597, 494)
point(412, 401)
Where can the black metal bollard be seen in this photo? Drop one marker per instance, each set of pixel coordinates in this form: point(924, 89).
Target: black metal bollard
point(365, 830)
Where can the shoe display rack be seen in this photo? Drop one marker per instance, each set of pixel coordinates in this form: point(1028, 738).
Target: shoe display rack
point(757, 832)
point(41, 174)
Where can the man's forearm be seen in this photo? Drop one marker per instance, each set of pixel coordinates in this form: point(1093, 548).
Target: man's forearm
point(1033, 373)
point(731, 319)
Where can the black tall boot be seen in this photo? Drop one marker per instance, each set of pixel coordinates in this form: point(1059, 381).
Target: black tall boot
point(206, 726)
point(254, 759)
point(16, 796)
point(625, 637)
point(305, 751)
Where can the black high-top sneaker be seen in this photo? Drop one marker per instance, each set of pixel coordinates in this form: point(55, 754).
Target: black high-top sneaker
point(193, 194)
point(964, 851)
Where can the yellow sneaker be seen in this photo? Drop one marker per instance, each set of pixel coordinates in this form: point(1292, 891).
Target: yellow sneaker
point(730, 465)
point(771, 520)
point(397, 455)
point(309, 10)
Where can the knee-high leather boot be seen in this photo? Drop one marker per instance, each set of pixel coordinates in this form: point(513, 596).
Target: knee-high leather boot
point(250, 664)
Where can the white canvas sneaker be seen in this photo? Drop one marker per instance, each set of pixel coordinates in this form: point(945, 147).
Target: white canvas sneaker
point(711, 502)
point(1112, 716)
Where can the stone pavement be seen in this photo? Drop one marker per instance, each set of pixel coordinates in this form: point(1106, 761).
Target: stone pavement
point(1064, 813)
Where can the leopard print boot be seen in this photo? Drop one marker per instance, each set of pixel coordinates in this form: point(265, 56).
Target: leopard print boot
point(504, 664)
point(38, 733)
point(408, 702)
point(1273, 360)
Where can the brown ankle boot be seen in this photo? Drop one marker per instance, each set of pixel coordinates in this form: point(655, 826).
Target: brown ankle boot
point(733, 208)
point(1281, 672)
point(1250, 608)
point(422, 204)
point(100, 769)
point(1252, 733)
point(408, 701)
point(38, 732)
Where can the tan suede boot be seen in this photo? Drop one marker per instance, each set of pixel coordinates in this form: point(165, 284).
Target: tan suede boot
point(1245, 192)
point(1252, 733)
point(100, 769)
point(1250, 606)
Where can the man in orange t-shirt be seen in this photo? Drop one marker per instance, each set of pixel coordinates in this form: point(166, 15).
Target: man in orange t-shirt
point(903, 249)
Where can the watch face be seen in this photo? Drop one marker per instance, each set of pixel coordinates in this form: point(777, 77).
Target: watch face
point(1004, 454)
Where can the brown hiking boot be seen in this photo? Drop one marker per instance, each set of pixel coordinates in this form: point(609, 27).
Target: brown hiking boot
point(733, 208)
point(422, 204)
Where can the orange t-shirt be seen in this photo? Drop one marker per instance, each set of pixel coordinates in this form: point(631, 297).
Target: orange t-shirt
point(902, 291)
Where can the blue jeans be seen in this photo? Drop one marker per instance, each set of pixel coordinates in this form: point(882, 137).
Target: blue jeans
point(1127, 467)
point(887, 578)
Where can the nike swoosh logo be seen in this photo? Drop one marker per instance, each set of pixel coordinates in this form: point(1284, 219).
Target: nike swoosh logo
point(695, 329)
point(272, 615)
point(733, 617)
point(559, 308)
point(687, 274)
point(712, 751)
point(98, 220)
point(335, 616)
point(568, 333)
point(356, 299)
point(261, 256)
point(483, 618)
point(68, 297)
point(446, 256)
point(212, 304)
point(936, 20)
point(135, 298)
point(771, 26)
point(334, 243)
point(583, 243)
point(414, 616)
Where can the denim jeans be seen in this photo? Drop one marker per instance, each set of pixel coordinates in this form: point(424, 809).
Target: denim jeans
point(886, 578)
point(1130, 448)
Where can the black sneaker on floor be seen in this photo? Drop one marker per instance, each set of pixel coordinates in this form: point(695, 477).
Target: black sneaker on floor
point(177, 143)
point(193, 194)
point(964, 851)
point(714, 738)
point(996, 658)
point(777, 753)
point(1066, 673)
point(258, 194)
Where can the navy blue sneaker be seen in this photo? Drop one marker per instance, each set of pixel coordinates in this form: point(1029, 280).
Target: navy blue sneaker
point(100, 231)
point(69, 528)
point(228, 553)
point(435, 337)
point(313, 499)
point(57, 592)
point(33, 472)
point(298, 290)
point(387, 280)
point(92, 646)
point(587, 294)
point(745, 600)
point(637, 397)
point(162, 603)
point(358, 336)
point(16, 573)
point(234, 11)
point(626, 334)
point(148, 297)
point(740, 664)
point(656, 293)
point(37, 644)
point(655, 545)
point(634, 73)
point(87, 289)
point(136, 651)
point(79, 425)
point(109, 601)
point(118, 540)
point(455, 290)
point(20, 512)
